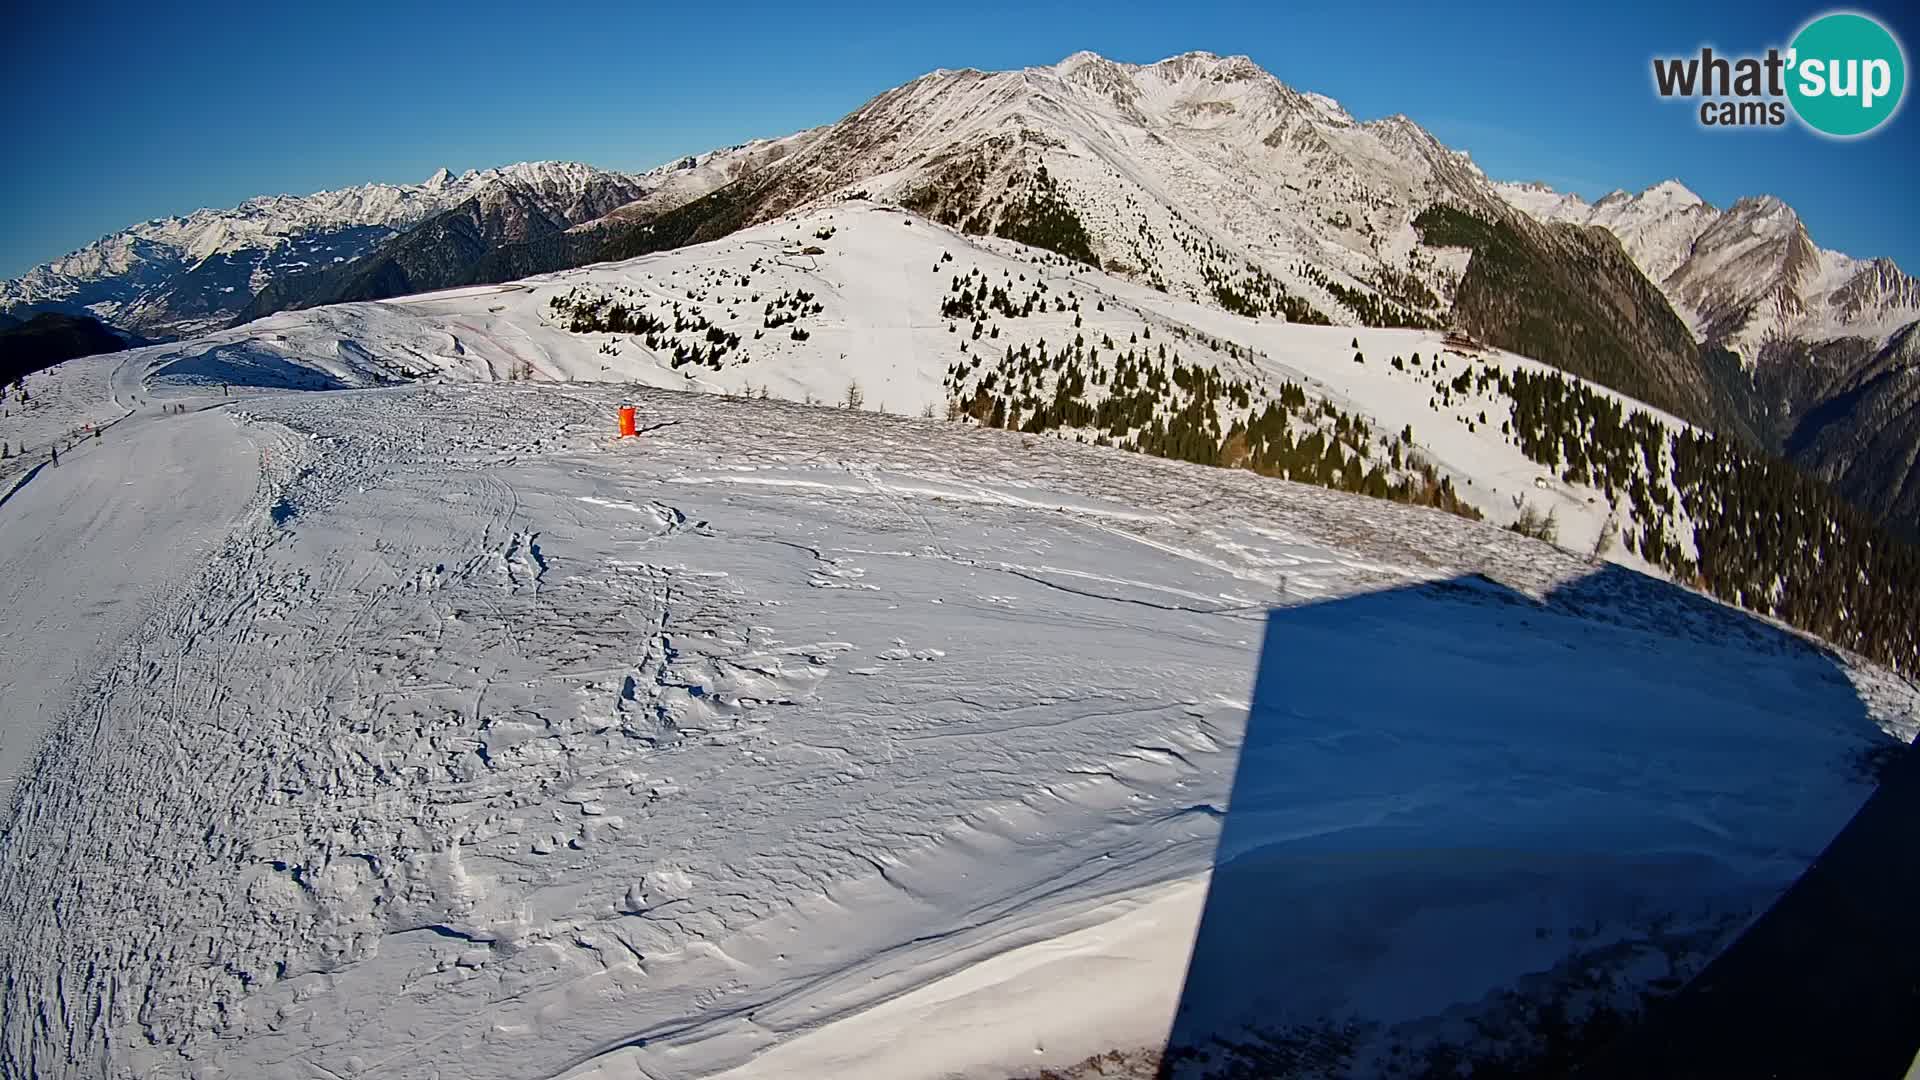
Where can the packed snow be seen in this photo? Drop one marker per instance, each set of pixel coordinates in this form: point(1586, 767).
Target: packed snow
point(68, 616)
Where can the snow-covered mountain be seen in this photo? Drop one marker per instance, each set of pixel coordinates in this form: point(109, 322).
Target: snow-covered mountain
point(863, 294)
point(682, 181)
point(1194, 173)
point(1828, 344)
point(506, 232)
point(1743, 276)
point(1210, 180)
point(181, 275)
point(1201, 175)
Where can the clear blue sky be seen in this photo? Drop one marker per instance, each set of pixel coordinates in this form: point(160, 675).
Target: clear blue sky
point(122, 112)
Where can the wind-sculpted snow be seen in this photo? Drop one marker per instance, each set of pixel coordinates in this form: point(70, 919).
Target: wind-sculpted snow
point(489, 745)
point(479, 714)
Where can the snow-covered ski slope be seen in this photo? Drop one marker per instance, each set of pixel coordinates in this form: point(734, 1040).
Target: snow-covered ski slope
point(873, 317)
point(803, 741)
point(426, 729)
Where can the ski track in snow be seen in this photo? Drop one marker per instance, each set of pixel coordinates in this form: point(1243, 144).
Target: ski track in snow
point(488, 745)
point(149, 500)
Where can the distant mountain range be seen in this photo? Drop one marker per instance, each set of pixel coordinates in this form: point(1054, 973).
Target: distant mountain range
point(179, 276)
point(1200, 175)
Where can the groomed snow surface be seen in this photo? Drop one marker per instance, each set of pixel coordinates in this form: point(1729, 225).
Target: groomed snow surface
point(456, 737)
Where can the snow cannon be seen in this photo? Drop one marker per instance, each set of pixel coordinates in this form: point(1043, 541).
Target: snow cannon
point(626, 421)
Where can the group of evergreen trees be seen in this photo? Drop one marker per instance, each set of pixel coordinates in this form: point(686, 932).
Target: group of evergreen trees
point(1751, 530)
point(1339, 452)
point(956, 194)
point(1141, 396)
point(1370, 308)
point(1572, 299)
point(971, 298)
point(1405, 288)
point(1257, 294)
point(1045, 219)
point(789, 307)
point(690, 338)
point(1031, 209)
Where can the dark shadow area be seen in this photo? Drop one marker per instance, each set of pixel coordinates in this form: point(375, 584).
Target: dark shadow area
point(10, 488)
point(1827, 983)
point(53, 337)
point(242, 365)
point(1472, 833)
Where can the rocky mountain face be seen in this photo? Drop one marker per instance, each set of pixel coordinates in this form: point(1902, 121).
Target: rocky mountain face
point(1823, 344)
point(435, 252)
point(680, 182)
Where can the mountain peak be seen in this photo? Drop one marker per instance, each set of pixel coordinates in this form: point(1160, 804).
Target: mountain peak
point(1763, 209)
point(1760, 203)
point(1096, 71)
point(1081, 59)
point(1672, 191)
point(1191, 62)
point(1207, 65)
point(143, 279)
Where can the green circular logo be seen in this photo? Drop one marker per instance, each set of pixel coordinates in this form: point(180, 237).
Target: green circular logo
point(1847, 74)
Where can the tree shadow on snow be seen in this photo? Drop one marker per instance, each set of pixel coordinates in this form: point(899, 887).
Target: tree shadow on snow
point(1474, 833)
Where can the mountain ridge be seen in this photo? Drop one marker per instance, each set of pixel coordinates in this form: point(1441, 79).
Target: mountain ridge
point(184, 274)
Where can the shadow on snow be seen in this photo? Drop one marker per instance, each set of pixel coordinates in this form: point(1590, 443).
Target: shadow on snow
point(1474, 833)
point(241, 365)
